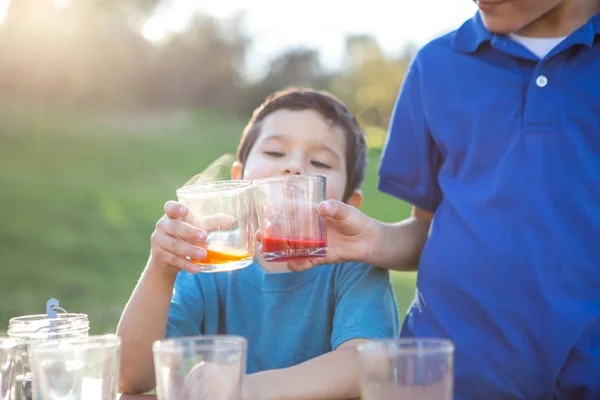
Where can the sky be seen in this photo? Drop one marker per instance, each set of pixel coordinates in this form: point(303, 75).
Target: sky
point(321, 24)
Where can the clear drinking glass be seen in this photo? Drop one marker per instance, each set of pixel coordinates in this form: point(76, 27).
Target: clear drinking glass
point(202, 367)
point(289, 220)
point(8, 352)
point(76, 369)
point(225, 211)
point(416, 369)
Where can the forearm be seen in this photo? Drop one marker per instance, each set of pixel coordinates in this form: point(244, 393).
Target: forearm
point(398, 246)
point(331, 376)
point(144, 320)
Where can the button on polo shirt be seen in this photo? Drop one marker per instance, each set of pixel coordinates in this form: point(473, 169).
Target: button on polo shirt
point(541, 81)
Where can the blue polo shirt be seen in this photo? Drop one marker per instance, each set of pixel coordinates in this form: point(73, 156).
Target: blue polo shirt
point(505, 148)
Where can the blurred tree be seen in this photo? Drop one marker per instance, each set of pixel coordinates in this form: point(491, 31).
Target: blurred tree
point(296, 67)
point(91, 52)
point(202, 66)
point(70, 52)
point(369, 81)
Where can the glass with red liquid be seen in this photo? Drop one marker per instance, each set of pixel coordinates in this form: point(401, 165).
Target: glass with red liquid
point(290, 223)
point(224, 210)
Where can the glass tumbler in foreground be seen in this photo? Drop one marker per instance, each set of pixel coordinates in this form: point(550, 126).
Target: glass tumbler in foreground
point(224, 210)
point(290, 223)
point(416, 369)
point(203, 367)
point(8, 353)
point(76, 369)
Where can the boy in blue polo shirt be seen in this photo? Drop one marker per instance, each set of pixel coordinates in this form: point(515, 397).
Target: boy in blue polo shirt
point(495, 140)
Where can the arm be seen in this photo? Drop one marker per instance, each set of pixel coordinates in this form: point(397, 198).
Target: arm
point(409, 169)
point(145, 316)
point(331, 376)
point(353, 236)
point(398, 246)
point(144, 320)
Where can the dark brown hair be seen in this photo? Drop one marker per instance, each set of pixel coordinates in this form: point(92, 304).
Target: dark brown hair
point(332, 110)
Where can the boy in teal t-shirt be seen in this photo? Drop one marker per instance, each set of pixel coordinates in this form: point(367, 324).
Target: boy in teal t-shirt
point(302, 328)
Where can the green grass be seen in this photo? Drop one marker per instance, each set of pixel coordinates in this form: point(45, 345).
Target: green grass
point(80, 195)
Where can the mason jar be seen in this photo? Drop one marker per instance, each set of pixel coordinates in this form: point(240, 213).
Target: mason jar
point(8, 349)
point(30, 329)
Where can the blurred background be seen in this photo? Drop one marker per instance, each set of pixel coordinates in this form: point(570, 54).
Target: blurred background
point(108, 106)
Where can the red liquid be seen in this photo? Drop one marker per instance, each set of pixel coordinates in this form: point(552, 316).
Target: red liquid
point(284, 249)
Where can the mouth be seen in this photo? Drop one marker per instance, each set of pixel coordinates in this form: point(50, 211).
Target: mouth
point(489, 5)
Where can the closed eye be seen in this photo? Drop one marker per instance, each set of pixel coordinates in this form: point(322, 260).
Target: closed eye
point(320, 165)
point(275, 154)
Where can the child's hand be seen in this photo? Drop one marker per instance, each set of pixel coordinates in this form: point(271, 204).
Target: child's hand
point(349, 236)
point(174, 239)
point(212, 381)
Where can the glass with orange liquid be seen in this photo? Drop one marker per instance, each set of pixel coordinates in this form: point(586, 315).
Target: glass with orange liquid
point(224, 210)
point(290, 223)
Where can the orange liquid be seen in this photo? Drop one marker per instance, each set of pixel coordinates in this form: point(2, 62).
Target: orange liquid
point(221, 257)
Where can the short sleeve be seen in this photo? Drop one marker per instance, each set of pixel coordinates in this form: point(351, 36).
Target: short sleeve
point(410, 160)
point(186, 312)
point(365, 307)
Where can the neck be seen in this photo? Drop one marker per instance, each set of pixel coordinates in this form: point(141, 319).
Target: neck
point(562, 20)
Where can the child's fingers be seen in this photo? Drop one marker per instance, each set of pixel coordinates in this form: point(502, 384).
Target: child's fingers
point(177, 261)
point(210, 381)
point(303, 265)
point(333, 209)
point(216, 222)
point(260, 250)
point(160, 240)
point(193, 379)
point(271, 211)
point(344, 218)
point(179, 229)
point(174, 209)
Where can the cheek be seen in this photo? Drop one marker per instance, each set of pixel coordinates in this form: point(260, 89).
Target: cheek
point(335, 187)
point(256, 168)
point(256, 171)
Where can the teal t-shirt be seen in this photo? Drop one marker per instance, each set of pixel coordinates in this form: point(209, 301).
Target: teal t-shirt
point(288, 317)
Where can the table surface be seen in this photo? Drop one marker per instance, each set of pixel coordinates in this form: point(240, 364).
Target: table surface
point(143, 397)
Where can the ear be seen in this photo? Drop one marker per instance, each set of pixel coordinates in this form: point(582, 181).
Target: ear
point(237, 170)
point(355, 199)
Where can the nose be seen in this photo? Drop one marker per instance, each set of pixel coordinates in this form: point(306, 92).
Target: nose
point(292, 167)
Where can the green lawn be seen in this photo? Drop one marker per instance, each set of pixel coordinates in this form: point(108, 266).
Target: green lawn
point(80, 196)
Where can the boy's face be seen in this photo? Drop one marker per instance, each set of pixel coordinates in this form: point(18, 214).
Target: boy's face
point(299, 142)
point(519, 16)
